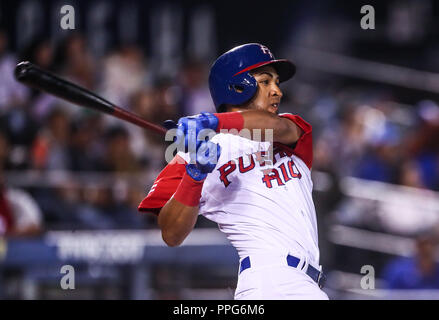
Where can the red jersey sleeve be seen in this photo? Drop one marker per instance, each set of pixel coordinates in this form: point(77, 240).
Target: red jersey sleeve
point(303, 146)
point(164, 186)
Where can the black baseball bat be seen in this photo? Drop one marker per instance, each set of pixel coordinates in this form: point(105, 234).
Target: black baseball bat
point(38, 78)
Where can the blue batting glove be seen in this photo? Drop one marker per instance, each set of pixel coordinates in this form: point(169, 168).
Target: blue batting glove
point(206, 158)
point(190, 127)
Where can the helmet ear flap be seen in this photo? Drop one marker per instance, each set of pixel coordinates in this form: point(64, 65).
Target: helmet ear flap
point(241, 89)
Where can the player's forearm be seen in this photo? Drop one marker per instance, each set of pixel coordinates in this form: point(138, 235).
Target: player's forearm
point(177, 218)
point(176, 221)
point(283, 130)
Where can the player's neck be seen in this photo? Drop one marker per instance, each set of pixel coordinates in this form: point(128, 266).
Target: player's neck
point(236, 108)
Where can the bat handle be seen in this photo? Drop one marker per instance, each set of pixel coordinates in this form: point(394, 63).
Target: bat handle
point(134, 119)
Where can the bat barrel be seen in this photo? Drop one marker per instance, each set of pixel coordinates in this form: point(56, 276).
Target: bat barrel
point(43, 80)
point(33, 76)
point(22, 70)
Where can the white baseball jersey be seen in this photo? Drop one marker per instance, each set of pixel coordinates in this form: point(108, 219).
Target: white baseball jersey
point(261, 206)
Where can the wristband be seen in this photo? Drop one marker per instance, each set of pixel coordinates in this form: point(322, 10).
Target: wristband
point(189, 191)
point(230, 120)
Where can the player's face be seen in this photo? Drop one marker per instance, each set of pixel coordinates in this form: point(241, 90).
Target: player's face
point(269, 94)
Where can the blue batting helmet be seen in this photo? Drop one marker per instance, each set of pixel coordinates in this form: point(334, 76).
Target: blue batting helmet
point(230, 81)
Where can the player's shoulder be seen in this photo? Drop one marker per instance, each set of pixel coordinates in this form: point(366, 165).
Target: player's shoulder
point(293, 117)
point(298, 120)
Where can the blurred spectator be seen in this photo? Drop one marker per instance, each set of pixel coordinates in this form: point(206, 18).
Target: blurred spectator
point(74, 61)
point(19, 213)
point(423, 144)
point(151, 105)
point(103, 208)
point(20, 130)
point(167, 96)
point(124, 73)
point(71, 60)
point(196, 95)
point(4, 152)
point(381, 152)
point(345, 140)
point(15, 118)
point(12, 93)
point(85, 149)
point(144, 103)
point(50, 149)
point(411, 175)
point(119, 156)
point(39, 52)
point(379, 163)
point(418, 272)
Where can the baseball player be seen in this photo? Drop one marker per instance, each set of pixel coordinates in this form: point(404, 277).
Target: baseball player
point(264, 206)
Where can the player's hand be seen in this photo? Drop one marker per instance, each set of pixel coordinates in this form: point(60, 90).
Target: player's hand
point(206, 158)
point(190, 127)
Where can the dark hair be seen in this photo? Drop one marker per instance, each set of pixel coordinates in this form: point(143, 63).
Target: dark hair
point(29, 52)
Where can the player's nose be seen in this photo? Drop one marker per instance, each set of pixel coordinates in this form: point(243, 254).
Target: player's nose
point(276, 91)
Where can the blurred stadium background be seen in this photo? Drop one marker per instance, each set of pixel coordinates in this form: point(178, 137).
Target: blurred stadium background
point(71, 179)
